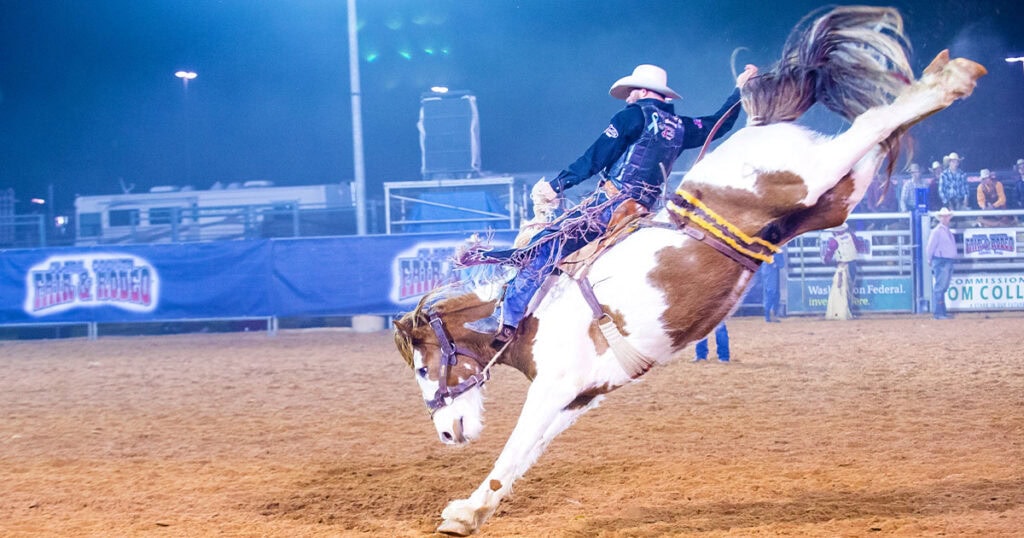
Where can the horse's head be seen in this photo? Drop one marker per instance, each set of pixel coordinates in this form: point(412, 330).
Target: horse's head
point(449, 361)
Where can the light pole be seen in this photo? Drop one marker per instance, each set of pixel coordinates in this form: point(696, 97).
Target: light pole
point(186, 76)
point(359, 168)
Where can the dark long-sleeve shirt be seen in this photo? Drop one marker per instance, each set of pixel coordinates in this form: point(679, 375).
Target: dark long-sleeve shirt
point(627, 126)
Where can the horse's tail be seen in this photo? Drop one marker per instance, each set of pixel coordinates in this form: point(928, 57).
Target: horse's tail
point(849, 59)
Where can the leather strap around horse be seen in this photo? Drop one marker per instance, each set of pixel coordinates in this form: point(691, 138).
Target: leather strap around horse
point(688, 213)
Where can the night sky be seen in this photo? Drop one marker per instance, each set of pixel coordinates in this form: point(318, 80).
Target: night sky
point(88, 96)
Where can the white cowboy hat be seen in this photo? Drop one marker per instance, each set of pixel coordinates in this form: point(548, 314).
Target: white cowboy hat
point(986, 173)
point(1020, 162)
point(952, 156)
point(646, 76)
point(935, 164)
point(945, 212)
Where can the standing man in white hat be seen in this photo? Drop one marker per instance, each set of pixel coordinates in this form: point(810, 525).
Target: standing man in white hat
point(941, 252)
point(953, 184)
point(635, 154)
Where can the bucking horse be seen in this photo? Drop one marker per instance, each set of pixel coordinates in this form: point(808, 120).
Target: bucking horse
point(685, 269)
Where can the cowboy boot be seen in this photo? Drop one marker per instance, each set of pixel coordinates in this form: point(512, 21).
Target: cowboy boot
point(489, 325)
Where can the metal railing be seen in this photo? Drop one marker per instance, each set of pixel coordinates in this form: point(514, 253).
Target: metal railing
point(23, 231)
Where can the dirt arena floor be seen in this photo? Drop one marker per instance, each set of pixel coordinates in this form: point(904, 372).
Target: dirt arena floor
point(895, 426)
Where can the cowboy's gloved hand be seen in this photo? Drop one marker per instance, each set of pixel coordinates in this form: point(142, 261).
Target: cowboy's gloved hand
point(545, 201)
point(542, 193)
point(748, 71)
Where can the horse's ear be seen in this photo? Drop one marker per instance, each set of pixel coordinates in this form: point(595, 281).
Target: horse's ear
point(402, 325)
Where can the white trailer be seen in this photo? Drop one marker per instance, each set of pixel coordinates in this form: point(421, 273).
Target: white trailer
point(250, 210)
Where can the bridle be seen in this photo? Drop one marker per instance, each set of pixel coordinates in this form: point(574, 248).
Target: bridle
point(450, 352)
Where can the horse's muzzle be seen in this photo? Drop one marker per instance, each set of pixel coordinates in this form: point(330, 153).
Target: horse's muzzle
point(455, 436)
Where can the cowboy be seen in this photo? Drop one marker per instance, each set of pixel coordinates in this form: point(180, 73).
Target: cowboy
point(843, 249)
point(634, 154)
point(941, 252)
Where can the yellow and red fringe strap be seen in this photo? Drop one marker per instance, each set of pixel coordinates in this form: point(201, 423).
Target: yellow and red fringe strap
point(719, 224)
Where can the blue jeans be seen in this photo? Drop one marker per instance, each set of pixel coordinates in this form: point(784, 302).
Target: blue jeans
point(721, 344)
point(942, 271)
point(544, 255)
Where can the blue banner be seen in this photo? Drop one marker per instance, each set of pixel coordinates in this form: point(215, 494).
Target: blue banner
point(135, 283)
point(362, 275)
point(231, 279)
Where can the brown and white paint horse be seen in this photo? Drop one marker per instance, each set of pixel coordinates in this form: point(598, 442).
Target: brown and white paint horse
point(664, 289)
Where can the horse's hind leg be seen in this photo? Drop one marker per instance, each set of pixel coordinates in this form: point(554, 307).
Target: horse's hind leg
point(943, 82)
point(543, 417)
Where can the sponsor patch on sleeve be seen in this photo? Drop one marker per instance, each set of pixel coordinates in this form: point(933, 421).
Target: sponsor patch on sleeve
point(611, 132)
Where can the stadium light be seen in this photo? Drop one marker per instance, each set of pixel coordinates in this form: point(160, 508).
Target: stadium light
point(186, 76)
point(1016, 59)
point(439, 89)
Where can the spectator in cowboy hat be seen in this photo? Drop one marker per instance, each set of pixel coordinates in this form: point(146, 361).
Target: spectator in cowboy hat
point(635, 152)
point(953, 184)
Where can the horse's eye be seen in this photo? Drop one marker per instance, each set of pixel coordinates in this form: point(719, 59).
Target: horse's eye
point(422, 372)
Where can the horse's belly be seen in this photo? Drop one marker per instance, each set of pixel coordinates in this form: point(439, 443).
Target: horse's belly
point(621, 282)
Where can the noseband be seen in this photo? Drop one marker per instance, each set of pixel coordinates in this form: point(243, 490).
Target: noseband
point(449, 357)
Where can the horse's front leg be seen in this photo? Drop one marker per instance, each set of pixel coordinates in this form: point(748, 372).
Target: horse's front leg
point(547, 412)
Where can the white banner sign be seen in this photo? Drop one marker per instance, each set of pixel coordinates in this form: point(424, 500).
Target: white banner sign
point(980, 291)
point(993, 242)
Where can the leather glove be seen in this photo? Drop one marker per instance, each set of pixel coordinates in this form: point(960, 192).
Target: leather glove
point(748, 71)
point(545, 200)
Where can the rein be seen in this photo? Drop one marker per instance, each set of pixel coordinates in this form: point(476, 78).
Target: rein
point(686, 210)
point(711, 135)
point(449, 357)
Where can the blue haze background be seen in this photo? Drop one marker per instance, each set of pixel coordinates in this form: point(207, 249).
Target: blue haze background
point(88, 96)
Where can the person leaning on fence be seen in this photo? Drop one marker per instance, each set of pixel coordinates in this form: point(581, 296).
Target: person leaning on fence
point(992, 196)
point(941, 252)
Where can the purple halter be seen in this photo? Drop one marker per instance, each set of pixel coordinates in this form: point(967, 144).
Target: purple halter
point(449, 357)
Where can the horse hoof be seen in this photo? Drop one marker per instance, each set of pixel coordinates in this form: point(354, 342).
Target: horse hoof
point(455, 528)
